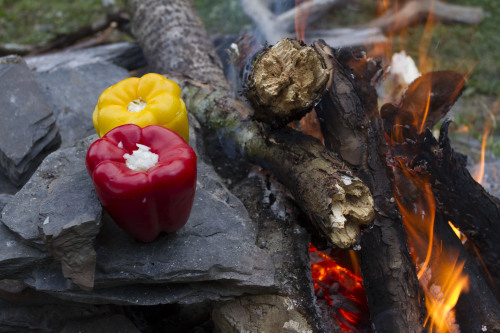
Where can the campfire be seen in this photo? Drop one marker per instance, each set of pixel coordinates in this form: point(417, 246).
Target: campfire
point(355, 213)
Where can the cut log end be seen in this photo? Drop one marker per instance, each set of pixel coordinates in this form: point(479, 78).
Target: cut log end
point(286, 82)
point(351, 208)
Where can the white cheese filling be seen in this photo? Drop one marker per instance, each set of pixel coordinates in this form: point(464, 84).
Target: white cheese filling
point(141, 159)
point(136, 105)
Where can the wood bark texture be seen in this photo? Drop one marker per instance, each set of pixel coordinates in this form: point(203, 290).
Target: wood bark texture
point(461, 199)
point(230, 119)
point(174, 41)
point(351, 127)
point(336, 202)
point(458, 196)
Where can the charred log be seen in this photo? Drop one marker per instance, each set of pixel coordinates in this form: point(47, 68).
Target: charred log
point(350, 124)
point(450, 265)
point(471, 315)
point(287, 80)
point(460, 198)
point(424, 103)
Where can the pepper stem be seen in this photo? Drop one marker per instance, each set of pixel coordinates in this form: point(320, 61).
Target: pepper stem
point(136, 105)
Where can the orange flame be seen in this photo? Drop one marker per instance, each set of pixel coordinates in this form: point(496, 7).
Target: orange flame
point(440, 277)
point(457, 232)
point(332, 280)
point(425, 65)
point(426, 112)
point(301, 20)
point(479, 172)
point(441, 299)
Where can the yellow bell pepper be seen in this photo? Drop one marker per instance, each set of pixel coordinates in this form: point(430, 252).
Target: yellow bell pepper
point(149, 100)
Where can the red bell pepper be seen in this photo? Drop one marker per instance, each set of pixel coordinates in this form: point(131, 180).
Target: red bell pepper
point(144, 203)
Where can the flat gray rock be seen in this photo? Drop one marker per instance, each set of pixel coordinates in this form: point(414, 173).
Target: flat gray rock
point(28, 127)
point(5, 199)
point(72, 92)
point(217, 244)
point(58, 210)
point(213, 257)
point(16, 258)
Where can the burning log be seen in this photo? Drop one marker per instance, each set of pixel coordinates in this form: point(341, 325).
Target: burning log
point(421, 164)
point(451, 281)
point(471, 315)
point(459, 197)
point(351, 128)
point(465, 202)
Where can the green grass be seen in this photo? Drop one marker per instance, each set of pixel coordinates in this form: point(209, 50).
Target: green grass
point(466, 48)
point(222, 16)
point(35, 22)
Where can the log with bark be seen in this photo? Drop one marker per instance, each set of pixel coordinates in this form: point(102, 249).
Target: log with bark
point(351, 127)
point(287, 80)
point(458, 197)
point(338, 205)
point(450, 262)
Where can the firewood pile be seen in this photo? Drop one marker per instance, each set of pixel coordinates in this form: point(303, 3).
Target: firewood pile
point(367, 145)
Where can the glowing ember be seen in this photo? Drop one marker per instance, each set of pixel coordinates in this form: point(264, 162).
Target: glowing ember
point(341, 288)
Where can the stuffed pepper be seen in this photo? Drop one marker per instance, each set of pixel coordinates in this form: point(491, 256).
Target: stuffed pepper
point(145, 178)
point(149, 100)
